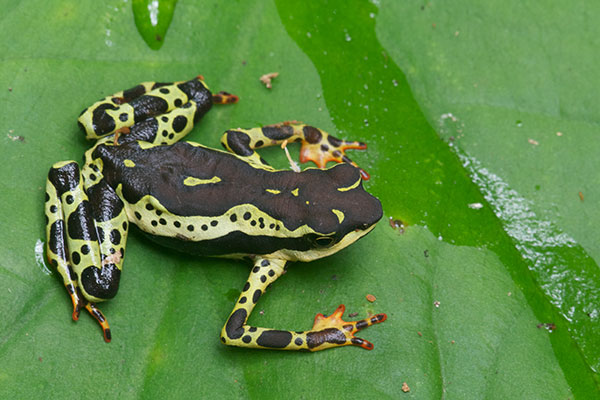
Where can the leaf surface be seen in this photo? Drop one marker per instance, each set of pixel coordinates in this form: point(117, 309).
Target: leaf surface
point(464, 288)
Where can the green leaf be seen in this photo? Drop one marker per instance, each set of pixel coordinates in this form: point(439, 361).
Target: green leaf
point(447, 99)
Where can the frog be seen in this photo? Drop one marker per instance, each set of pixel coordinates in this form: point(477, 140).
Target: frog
point(204, 201)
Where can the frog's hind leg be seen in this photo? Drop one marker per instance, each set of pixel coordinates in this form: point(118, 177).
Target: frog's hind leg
point(318, 146)
point(86, 231)
point(327, 332)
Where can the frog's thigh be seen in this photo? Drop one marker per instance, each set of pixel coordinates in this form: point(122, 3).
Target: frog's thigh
point(86, 232)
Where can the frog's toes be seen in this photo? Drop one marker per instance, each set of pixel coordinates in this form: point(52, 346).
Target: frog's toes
point(334, 331)
point(224, 98)
point(320, 147)
point(78, 304)
point(97, 314)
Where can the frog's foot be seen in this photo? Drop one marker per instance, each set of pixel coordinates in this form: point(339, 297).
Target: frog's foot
point(224, 98)
point(321, 147)
point(318, 146)
point(97, 314)
point(79, 304)
point(334, 331)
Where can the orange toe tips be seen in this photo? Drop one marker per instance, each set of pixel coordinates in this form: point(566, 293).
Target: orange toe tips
point(224, 98)
point(107, 335)
point(365, 344)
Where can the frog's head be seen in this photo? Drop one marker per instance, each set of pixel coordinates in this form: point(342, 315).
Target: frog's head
point(339, 210)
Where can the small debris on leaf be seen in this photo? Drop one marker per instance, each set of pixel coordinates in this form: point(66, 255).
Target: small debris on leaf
point(15, 138)
point(420, 334)
point(352, 315)
point(436, 303)
point(581, 196)
point(426, 253)
point(549, 326)
point(293, 165)
point(371, 298)
point(397, 224)
point(533, 142)
point(405, 387)
point(476, 206)
point(449, 116)
point(559, 133)
point(267, 78)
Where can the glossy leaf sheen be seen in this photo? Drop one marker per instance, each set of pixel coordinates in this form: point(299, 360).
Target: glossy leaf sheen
point(152, 19)
point(465, 288)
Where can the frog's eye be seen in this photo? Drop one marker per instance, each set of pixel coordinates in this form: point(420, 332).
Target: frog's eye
point(363, 227)
point(323, 241)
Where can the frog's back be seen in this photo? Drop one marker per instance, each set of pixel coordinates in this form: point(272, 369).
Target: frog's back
point(210, 202)
point(189, 179)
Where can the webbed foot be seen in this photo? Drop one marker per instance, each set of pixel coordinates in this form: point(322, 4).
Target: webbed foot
point(334, 331)
point(329, 148)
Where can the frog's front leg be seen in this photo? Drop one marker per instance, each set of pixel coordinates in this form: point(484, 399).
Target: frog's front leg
point(327, 332)
point(146, 109)
point(86, 232)
point(318, 146)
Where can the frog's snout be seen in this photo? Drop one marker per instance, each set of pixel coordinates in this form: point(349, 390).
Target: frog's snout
point(371, 213)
